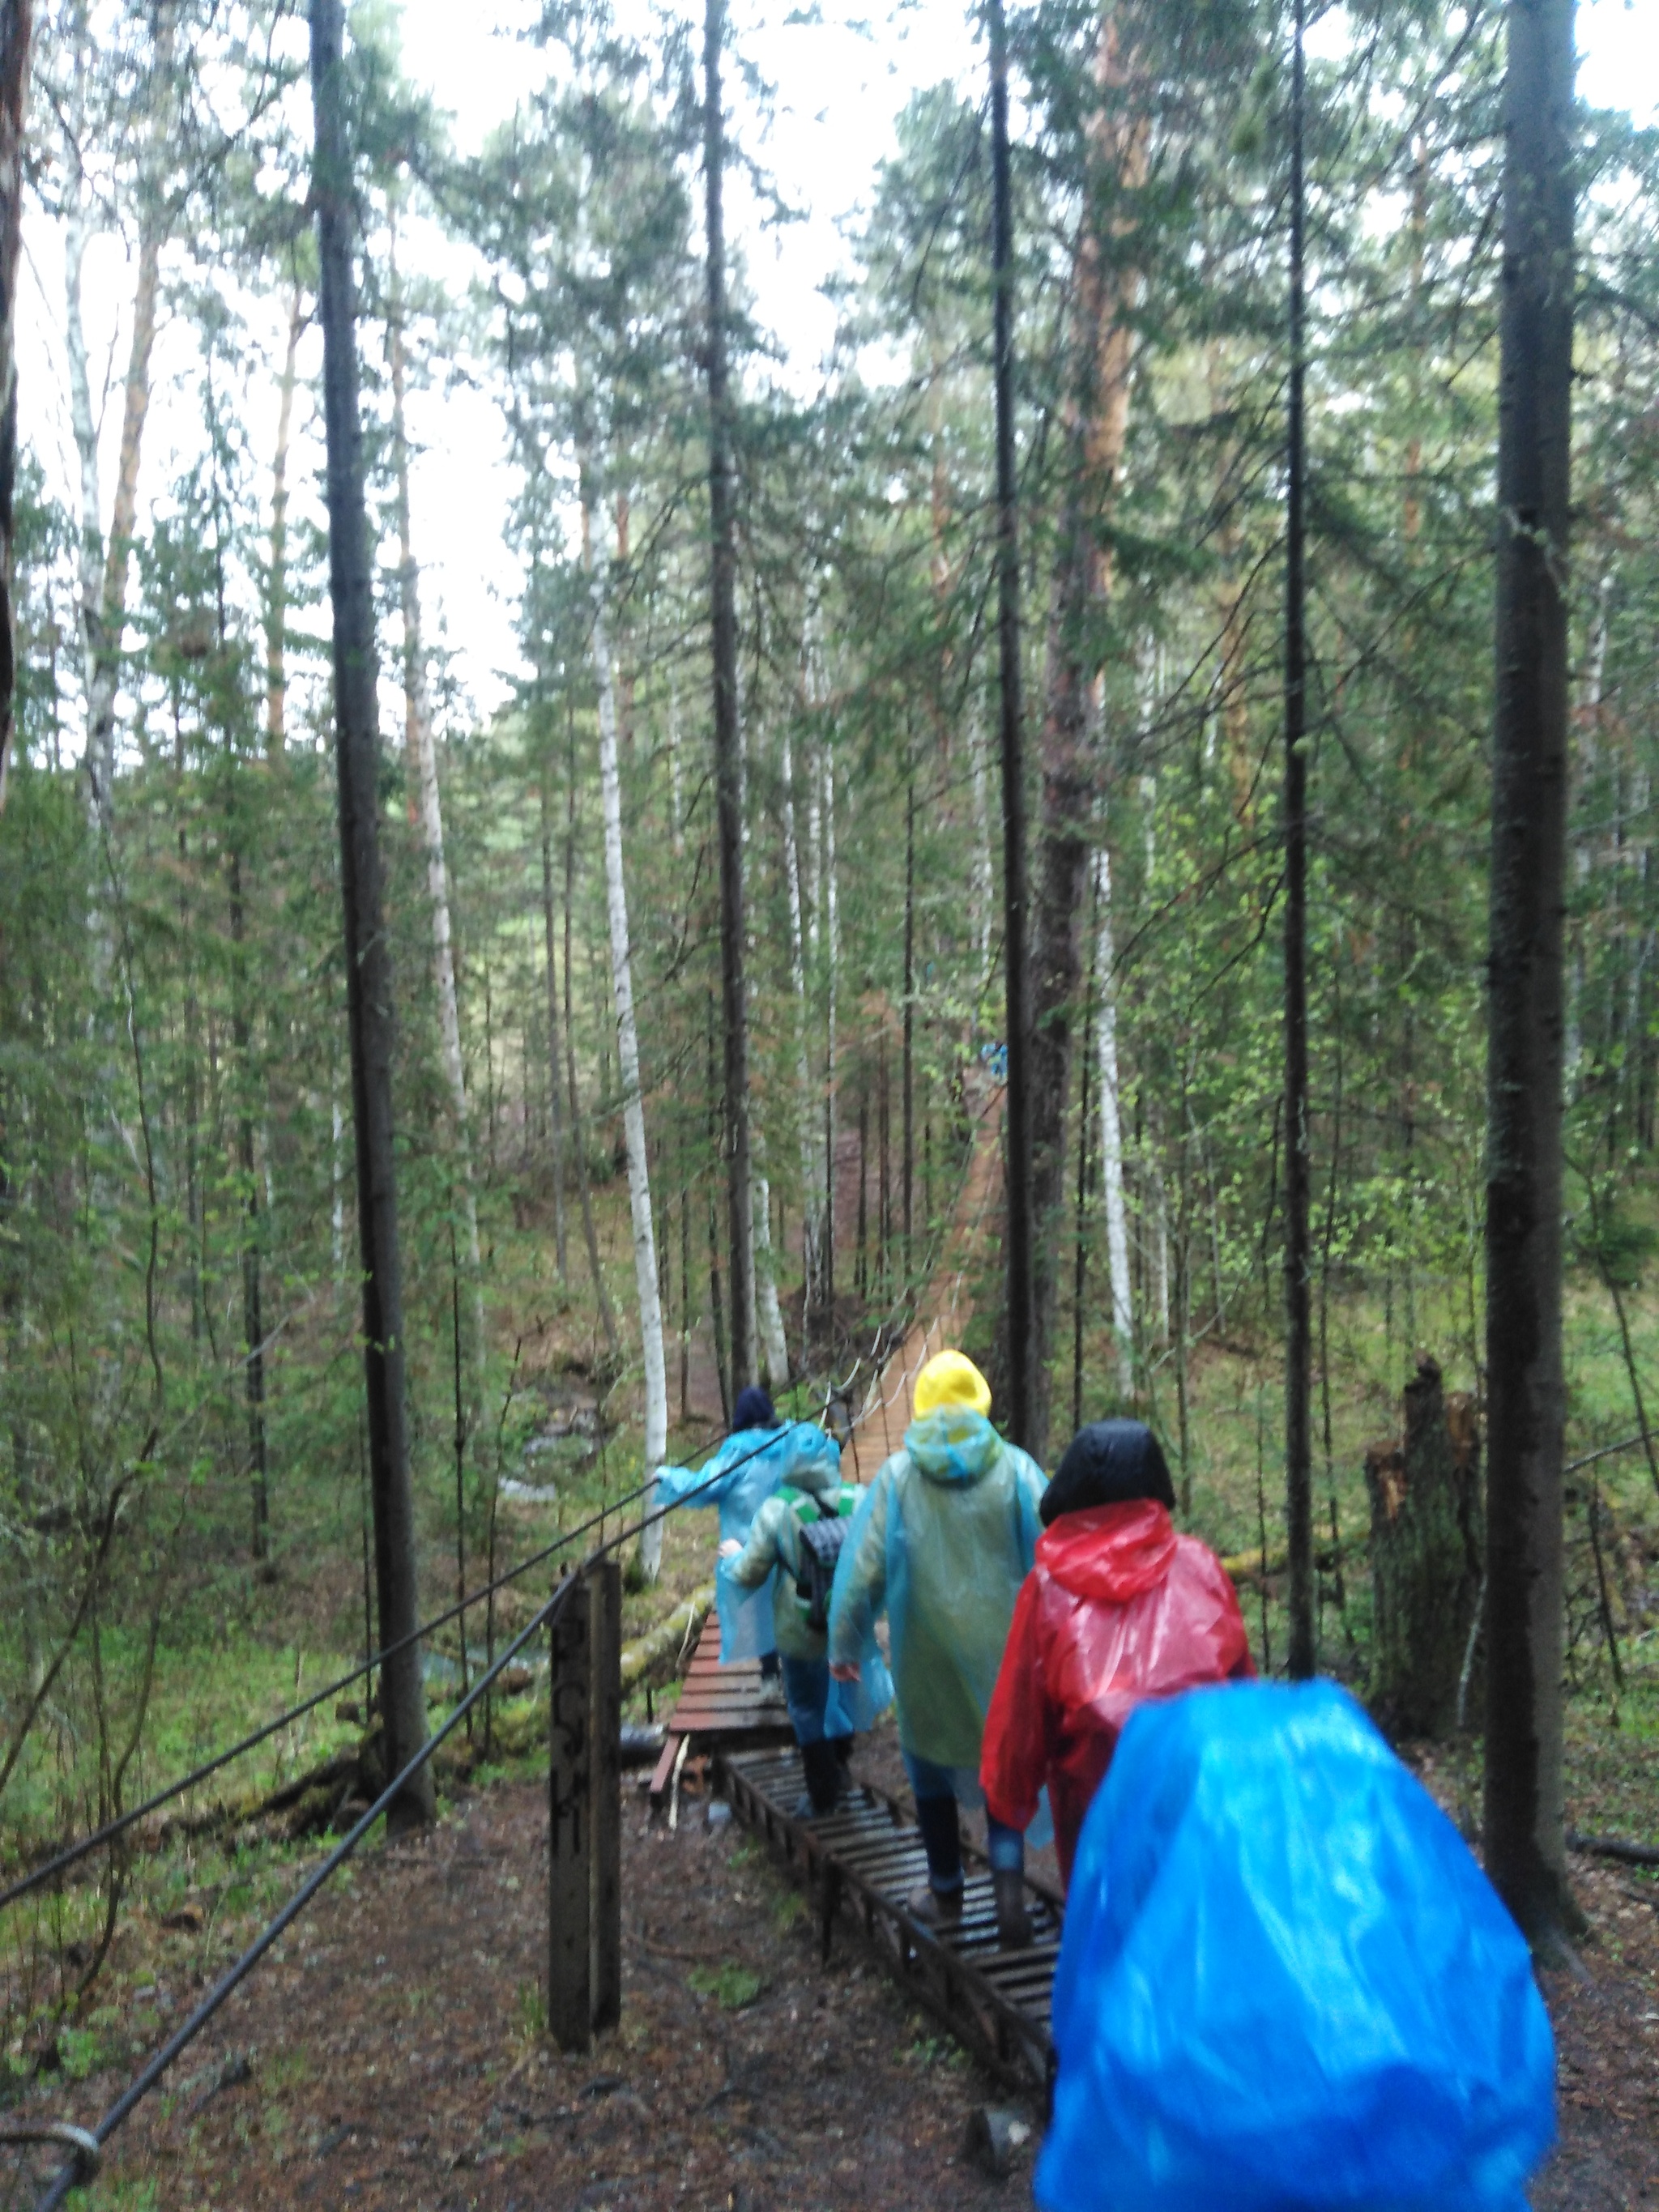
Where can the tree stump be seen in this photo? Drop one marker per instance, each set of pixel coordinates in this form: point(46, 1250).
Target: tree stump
point(1425, 1553)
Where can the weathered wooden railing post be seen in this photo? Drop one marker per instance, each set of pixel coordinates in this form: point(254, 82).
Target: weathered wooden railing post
point(584, 1870)
point(570, 1827)
point(604, 1636)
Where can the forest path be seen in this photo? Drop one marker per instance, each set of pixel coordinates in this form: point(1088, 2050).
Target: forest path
point(946, 1306)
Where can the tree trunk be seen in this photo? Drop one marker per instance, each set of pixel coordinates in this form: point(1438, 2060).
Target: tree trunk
point(811, 1136)
point(1522, 1814)
point(104, 564)
point(277, 581)
point(1424, 1558)
point(578, 1136)
point(423, 763)
point(729, 767)
point(907, 1163)
point(556, 1075)
point(253, 1373)
point(1022, 1410)
point(1111, 1131)
point(17, 32)
point(773, 1344)
point(628, 1052)
point(1098, 412)
point(368, 956)
point(1298, 1447)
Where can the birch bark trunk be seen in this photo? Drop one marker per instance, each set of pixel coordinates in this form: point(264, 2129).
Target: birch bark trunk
point(1111, 1132)
point(104, 562)
point(646, 1282)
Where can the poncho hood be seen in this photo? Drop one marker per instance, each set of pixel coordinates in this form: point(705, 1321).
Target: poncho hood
point(1109, 1553)
point(953, 1444)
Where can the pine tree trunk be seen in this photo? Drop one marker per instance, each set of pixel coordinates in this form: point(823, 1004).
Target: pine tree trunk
point(729, 767)
point(277, 581)
point(811, 1136)
point(254, 1371)
point(423, 762)
point(1299, 1251)
point(1522, 1818)
point(16, 32)
point(1023, 1414)
point(368, 958)
point(1098, 409)
point(645, 1285)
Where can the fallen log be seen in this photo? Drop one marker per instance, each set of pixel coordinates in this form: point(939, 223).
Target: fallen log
point(1614, 1847)
point(666, 1639)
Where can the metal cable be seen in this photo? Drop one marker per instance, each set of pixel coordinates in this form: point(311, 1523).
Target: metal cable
point(184, 2035)
point(74, 1852)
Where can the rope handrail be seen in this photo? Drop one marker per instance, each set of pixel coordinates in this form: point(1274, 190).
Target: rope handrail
point(158, 2064)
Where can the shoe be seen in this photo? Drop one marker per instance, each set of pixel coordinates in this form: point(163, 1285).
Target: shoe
point(1013, 1921)
point(934, 1909)
point(822, 1770)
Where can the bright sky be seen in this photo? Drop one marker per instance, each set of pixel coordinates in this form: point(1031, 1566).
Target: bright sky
point(840, 82)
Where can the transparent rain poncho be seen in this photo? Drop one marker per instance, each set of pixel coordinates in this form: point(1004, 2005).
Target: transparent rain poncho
point(1285, 1984)
point(941, 1541)
point(774, 1552)
point(743, 1474)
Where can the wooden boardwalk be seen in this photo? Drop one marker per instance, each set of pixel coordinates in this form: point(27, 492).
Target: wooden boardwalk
point(865, 1859)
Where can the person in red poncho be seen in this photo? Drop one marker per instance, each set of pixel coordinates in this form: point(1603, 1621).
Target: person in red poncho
point(1118, 1609)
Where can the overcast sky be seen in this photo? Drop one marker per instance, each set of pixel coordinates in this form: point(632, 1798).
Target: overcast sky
point(839, 85)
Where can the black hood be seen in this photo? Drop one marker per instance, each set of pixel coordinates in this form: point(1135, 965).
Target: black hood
point(1109, 1463)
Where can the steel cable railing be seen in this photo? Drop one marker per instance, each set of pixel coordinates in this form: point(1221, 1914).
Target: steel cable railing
point(87, 2144)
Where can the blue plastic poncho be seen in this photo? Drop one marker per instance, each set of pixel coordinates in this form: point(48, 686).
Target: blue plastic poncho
point(1285, 1983)
point(941, 1541)
point(774, 1551)
point(742, 1475)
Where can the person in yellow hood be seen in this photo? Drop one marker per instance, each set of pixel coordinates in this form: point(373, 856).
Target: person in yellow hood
point(941, 1541)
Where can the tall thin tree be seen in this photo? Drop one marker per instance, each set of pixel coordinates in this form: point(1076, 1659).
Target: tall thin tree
point(1522, 1818)
point(17, 30)
point(728, 766)
point(1015, 899)
point(1298, 1450)
point(368, 956)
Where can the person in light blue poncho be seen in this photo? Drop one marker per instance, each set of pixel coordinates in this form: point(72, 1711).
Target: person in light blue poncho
point(942, 1542)
point(758, 1457)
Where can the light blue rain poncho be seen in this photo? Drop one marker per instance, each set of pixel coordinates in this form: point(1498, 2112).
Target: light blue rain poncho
point(742, 1475)
point(772, 1557)
point(942, 1540)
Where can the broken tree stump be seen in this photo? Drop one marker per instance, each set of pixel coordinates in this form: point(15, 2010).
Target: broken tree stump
point(1425, 1555)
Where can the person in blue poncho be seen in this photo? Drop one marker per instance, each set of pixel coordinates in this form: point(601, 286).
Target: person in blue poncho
point(1285, 1984)
point(761, 1454)
point(823, 1714)
point(942, 1542)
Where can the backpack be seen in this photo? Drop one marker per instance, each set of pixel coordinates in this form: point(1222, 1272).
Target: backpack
point(821, 1535)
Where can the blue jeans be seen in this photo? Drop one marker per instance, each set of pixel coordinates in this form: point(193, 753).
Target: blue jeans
point(806, 1692)
point(935, 1789)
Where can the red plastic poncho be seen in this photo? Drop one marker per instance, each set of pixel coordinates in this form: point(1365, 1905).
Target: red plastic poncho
point(1118, 1609)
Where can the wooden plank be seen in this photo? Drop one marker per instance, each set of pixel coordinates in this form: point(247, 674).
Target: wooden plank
point(569, 1833)
point(662, 1773)
point(605, 1586)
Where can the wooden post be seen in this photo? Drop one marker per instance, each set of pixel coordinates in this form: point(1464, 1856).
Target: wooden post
point(604, 1582)
point(570, 1833)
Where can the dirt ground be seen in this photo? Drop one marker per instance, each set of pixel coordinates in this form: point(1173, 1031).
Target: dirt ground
point(389, 2055)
